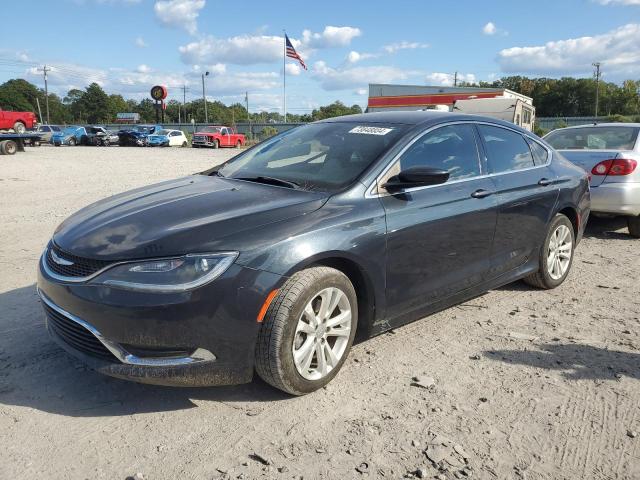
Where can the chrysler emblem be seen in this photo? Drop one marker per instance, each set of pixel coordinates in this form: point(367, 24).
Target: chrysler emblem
point(60, 261)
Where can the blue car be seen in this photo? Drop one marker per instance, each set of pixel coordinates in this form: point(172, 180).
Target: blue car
point(72, 135)
point(137, 135)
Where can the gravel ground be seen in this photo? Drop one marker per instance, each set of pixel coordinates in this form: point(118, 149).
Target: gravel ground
point(518, 383)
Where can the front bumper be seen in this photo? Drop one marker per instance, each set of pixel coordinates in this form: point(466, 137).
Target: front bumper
point(616, 198)
point(203, 337)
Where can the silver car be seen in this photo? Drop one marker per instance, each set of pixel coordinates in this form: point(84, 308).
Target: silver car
point(610, 152)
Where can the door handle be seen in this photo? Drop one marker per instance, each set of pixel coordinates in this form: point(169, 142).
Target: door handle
point(481, 193)
point(543, 182)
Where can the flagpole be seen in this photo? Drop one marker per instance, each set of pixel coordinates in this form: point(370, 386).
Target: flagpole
point(284, 75)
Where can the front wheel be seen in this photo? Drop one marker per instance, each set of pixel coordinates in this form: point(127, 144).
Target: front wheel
point(184, 144)
point(216, 144)
point(72, 142)
point(307, 331)
point(556, 255)
point(238, 144)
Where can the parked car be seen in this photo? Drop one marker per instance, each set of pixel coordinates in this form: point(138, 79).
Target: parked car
point(18, 121)
point(72, 135)
point(610, 152)
point(46, 132)
point(101, 137)
point(274, 260)
point(217, 137)
point(168, 138)
point(136, 135)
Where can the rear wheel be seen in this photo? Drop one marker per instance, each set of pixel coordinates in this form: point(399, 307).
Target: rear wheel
point(72, 142)
point(633, 223)
point(307, 331)
point(19, 127)
point(8, 147)
point(556, 255)
point(184, 144)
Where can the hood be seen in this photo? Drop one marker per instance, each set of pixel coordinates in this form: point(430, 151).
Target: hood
point(187, 215)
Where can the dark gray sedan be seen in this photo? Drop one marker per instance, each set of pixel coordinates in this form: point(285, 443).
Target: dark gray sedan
point(276, 260)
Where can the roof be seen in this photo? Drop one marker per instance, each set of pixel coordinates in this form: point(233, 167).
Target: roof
point(610, 124)
point(405, 117)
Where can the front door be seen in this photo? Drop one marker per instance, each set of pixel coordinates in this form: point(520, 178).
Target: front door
point(438, 237)
point(224, 141)
point(526, 190)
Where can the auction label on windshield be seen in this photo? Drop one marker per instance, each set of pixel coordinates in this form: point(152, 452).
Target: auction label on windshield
point(371, 130)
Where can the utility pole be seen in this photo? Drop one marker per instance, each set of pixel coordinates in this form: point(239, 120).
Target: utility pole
point(204, 99)
point(246, 101)
point(597, 65)
point(455, 79)
point(44, 70)
point(184, 101)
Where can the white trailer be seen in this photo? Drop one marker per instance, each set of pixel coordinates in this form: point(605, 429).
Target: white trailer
point(512, 110)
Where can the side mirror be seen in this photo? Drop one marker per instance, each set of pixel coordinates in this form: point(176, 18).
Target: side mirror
point(416, 177)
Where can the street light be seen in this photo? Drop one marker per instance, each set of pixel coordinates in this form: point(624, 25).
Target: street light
point(204, 98)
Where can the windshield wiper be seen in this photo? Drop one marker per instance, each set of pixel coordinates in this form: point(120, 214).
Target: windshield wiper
point(270, 181)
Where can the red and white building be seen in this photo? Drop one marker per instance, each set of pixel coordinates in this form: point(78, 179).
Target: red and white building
point(383, 97)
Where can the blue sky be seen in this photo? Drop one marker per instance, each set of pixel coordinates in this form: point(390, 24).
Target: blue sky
point(129, 45)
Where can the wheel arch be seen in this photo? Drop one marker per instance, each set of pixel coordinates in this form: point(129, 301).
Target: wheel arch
point(357, 275)
point(572, 214)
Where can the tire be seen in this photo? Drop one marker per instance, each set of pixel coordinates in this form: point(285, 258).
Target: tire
point(547, 277)
point(185, 144)
point(216, 144)
point(35, 143)
point(2, 145)
point(19, 127)
point(633, 223)
point(9, 148)
point(238, 144)
point(72, 142)
point(279, 335)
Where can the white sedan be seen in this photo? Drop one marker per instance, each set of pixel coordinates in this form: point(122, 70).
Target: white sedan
point(168, 138)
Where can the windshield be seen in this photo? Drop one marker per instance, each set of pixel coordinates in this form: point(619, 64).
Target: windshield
point(162, 132)
point(594, 138)
point(210, 130)
point(318, 156)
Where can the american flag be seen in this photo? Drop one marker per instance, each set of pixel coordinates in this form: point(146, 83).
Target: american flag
point(291, 52)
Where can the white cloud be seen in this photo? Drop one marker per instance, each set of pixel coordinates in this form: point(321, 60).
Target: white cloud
point(330, 37)
point(448, 79)
point(141, 43)
point(618, 2)
point(361, 91)
point(394, 47)
point(354, 57)
point(617, 50)
point(489, 29)
point(293, 69)
point(240, 50)
point(354, 77)
point(179, 13)
point(143, 69)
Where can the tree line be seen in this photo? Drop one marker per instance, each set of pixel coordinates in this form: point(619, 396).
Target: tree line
point(563, 97)
point(94, 105)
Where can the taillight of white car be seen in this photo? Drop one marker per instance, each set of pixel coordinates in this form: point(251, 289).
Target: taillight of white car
point(615, 166)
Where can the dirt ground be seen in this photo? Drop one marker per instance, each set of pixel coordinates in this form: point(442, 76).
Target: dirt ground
point(518, 383)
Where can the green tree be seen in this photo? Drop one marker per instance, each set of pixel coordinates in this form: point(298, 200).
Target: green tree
point(96, 103)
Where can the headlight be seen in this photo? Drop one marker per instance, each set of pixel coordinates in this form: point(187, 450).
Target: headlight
point(166, 275)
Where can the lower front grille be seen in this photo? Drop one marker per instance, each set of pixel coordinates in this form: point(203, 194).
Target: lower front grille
point(77, 336)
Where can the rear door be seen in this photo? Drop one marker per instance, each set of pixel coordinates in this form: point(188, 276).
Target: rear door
point(438, 237)
point(527, 191)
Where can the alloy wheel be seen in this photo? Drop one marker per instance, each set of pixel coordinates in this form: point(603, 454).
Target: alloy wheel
point(559, 252)
point(322, 334)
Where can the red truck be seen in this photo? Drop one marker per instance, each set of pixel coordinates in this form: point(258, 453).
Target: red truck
point(216, 137)
point(19, 121)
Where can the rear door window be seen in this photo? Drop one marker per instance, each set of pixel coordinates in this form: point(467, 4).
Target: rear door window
point(507, 150)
